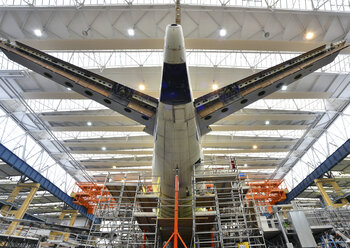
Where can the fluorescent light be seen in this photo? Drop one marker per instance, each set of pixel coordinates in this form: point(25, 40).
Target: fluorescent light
point(142, 87)
point(284, 87)
point(222, 32)
point(267, 122)
point(89, 123)
point(103, 148)
point(131, 32)
point(309, 35)
point(215, 86)
point(38, 32)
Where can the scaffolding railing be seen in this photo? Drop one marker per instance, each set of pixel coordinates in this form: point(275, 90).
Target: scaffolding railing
point(128, 214)
point(221, 194)
point(322, 221)
point(339, 218)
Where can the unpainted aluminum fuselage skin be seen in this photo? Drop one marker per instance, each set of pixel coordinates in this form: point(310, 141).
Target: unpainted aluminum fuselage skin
point(176, 137)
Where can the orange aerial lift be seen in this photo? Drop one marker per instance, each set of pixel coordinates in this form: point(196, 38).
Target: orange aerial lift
point(267, 192)
point(90, 194)
point(176, 234)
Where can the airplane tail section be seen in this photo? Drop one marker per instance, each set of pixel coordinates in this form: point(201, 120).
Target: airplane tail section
point(175, 86)
point(216, 105)
point(126, 101)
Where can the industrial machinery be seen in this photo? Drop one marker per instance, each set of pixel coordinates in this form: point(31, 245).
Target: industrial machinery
point(267, 192)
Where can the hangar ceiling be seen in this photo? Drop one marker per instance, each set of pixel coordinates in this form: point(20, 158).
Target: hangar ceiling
point(282, 127)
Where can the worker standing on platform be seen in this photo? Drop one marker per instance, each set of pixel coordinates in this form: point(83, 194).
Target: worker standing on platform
point(233, 163)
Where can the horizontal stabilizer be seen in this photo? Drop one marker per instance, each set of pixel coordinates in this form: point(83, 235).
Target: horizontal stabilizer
point(218, 104)
point(122, 99)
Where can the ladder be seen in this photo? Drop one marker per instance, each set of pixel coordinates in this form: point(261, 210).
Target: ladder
point(205, 233)
point(122, 213)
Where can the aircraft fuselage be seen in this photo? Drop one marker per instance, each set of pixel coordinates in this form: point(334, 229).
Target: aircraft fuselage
point(176, 137)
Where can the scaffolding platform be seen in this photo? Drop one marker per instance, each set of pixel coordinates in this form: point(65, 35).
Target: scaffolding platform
point(18, 241)
point(166, 225)
point(223, 192)
point(220, 215)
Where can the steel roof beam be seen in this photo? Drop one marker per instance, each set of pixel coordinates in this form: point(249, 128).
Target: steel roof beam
point(139, 128)
point(64, 117)
point(205, 144)
point(276, 95)
point(150, 152)
point(155, 43)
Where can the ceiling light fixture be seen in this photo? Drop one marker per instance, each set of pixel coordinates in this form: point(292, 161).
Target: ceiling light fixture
point(245, 165)
point(284, 87)
point(267, 122)
point(131, 32)
point(114, 167)
point(309, 35)
point(142, 87)
point(103, 148)
point(89, 123)
point(255, 147)
point(38, 32)
point(215, 86)
point(223, 32)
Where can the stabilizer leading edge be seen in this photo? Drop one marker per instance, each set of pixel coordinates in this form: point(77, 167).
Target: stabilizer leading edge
point(126, 101)
point(216, 105)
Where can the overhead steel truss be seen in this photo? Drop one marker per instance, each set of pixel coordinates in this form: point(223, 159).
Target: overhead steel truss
point(24, 131)
point(304, 5)
point(328, 137)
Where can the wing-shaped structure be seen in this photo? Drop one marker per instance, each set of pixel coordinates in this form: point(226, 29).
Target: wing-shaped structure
point(217, 105)
point(129, 102)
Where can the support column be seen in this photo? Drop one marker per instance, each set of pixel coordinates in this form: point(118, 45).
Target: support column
point(74, 214)
point(339, 192)
point(6, 208)
point(18, 214)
